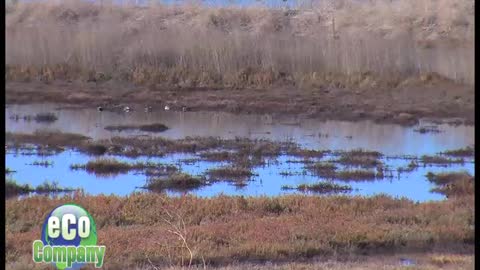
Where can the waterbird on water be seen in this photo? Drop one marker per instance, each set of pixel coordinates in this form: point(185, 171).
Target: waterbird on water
point(126, 109)
point(100, 108)
point(167, 108)
point(148, 108)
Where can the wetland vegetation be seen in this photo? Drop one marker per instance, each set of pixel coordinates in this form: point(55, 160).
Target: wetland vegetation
point(329, 59)
point(258, 229)
point(240, 157)
point(271, 192)
point(149, 128)
point(13, 189)
point(321, 187)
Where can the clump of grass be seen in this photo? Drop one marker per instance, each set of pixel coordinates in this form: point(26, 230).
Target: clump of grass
point(229, 173)
point(50, 187)
point(258, 148)
point(111, 167)
point(439, 160)
point(409, 168)
point(121, 128)
point(44, 163)
point(306, 153)
point(359, 160)
point(355, 175)
point(157, 127)
point(175, 182)
point(153, 127)
point(427, 129)
point(446, 178)
point(461, 152)
point(287, 173)
point(218, 156)
point(322, 169)
point(453, 183)
point(9, 171)
point(359, 152)
point(14, 117)
point(12, 188)
point(161, 170)
point(28, 118)
point(321, 187)
point(104, 166)
point(45, 117)
point(94, 149)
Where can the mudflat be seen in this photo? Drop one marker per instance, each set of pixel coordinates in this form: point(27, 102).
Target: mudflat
point(402, 104)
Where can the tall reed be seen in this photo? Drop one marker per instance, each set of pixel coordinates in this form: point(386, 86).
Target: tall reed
point(255, 45)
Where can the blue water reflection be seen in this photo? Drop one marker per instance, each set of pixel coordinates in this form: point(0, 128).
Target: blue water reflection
point(391, 140)
point(268, 180)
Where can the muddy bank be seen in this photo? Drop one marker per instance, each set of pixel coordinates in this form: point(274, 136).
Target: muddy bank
point(403, 104)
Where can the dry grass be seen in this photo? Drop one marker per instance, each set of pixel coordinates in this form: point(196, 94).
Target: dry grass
point(223, 230)
point(446, 259)
point(361, 43)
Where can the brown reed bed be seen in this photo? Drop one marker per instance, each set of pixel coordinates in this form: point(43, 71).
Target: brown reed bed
point(240, 47)
point(255, 229)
